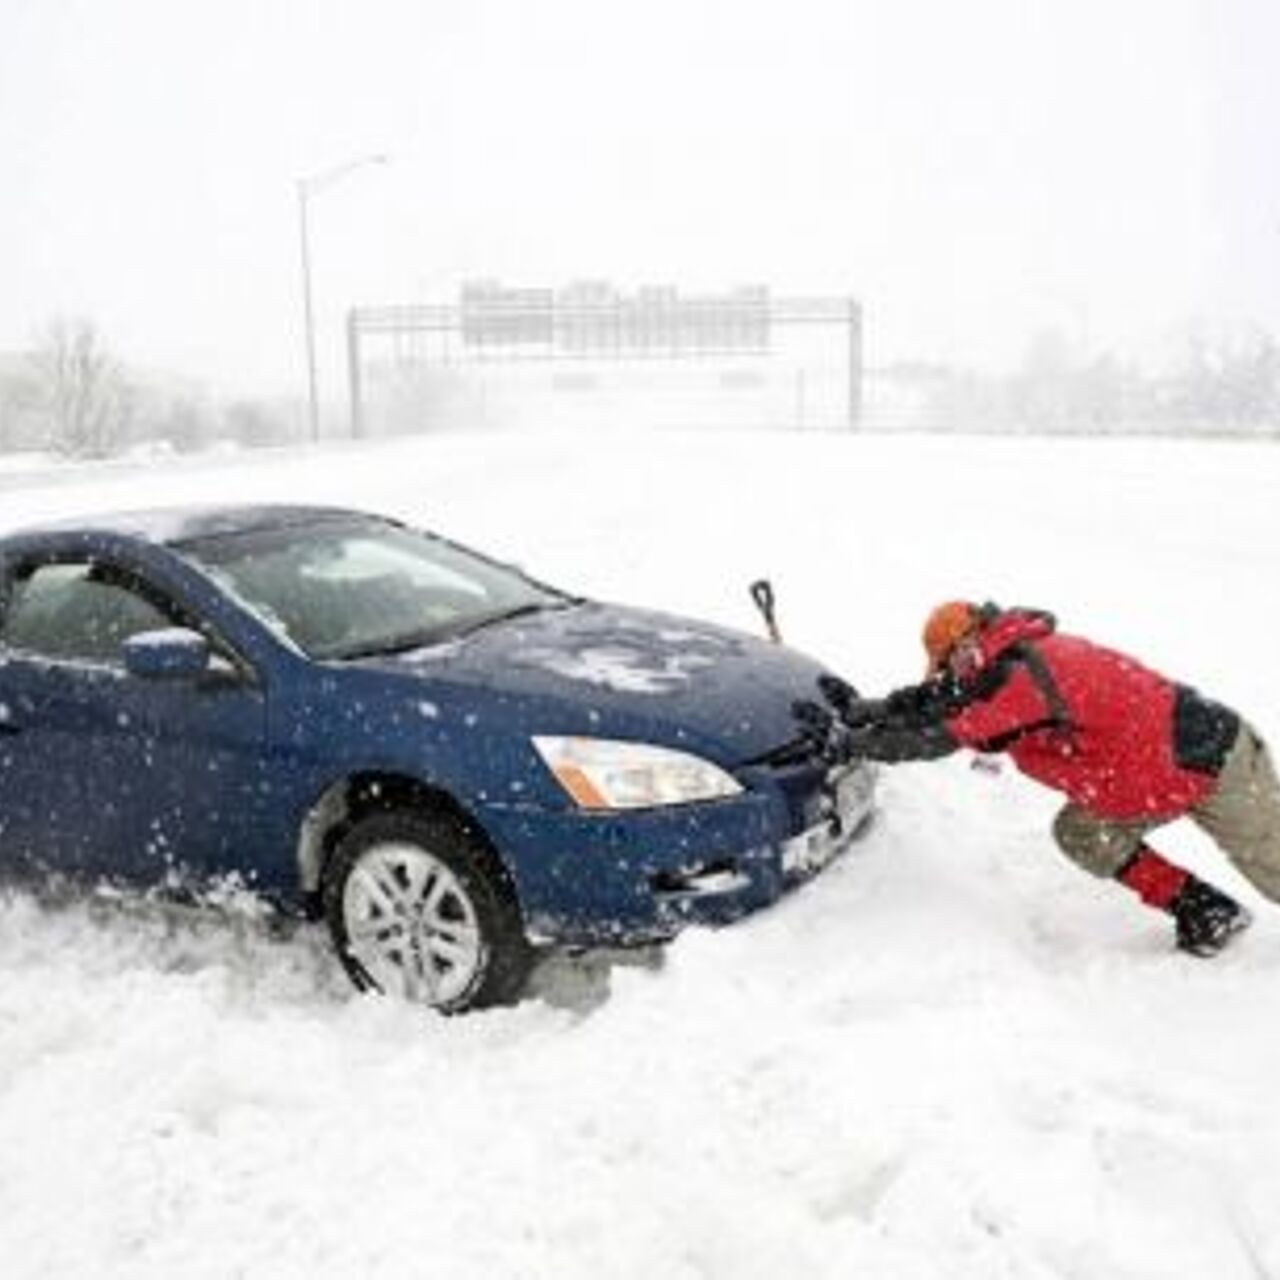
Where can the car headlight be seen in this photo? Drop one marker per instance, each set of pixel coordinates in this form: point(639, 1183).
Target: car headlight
point(599, 773)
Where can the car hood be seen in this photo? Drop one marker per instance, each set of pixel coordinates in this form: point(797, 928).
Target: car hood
point(608, 670)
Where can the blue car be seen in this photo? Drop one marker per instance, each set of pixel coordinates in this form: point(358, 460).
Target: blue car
point(447, 761)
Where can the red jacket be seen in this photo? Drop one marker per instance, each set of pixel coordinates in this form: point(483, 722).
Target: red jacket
point(1120, 740)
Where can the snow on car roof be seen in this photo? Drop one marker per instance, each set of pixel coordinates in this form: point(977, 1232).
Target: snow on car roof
point(184, 524)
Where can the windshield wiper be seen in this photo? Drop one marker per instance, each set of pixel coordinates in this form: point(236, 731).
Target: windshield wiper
point(507, 615)
point(404, 643)
point(410, 640)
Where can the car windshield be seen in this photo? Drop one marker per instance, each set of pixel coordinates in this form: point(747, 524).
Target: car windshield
point(347, 590)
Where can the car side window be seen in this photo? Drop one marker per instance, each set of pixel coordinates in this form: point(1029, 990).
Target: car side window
point(75, 612)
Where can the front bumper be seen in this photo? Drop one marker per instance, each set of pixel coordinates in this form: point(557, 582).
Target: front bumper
point(629, 878)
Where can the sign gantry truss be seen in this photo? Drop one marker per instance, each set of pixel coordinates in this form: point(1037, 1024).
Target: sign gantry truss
point(598, 323)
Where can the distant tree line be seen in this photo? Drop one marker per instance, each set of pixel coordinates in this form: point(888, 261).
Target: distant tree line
point(70, 396)
point(1225, 384)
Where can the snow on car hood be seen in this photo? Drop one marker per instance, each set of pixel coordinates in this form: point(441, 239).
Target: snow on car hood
point(631, 672)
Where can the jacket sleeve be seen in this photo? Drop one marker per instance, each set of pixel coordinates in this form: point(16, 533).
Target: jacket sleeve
point(988, 712)
point(1006, 702)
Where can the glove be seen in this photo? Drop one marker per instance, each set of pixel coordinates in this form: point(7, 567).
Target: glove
point(855, 711)
point(828, 738)
point(816, 722)
point(839, 694)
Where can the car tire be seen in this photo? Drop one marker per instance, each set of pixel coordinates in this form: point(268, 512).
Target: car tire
point(417, 909)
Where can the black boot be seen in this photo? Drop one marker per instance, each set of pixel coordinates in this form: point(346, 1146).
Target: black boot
point(1206, 918)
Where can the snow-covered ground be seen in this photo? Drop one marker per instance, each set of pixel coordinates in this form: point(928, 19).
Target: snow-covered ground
point(951, 1056)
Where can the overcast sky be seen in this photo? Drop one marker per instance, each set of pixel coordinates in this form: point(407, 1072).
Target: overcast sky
point(971, 170)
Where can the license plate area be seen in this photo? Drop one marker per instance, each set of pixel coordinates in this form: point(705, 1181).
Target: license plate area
point(845, 804)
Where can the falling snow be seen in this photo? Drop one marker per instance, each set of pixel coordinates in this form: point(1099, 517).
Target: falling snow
point(951, 1056)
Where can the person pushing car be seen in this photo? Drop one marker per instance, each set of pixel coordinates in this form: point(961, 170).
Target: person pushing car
point(1131, 750)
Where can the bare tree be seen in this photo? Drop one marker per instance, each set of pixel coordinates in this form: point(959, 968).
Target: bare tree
point(86, 399)
point(19, 402)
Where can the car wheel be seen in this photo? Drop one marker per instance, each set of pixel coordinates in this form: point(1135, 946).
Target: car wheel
point(417, 911)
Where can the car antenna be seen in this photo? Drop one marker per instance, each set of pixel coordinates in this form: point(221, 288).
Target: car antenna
point(762, 595)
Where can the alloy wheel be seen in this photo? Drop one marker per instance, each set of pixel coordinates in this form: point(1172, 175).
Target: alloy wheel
point(411, 924)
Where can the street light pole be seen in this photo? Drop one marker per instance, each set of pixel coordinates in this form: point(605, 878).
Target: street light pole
point(309, 326)
point(306, 188)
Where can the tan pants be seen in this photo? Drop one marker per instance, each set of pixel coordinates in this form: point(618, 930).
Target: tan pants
point(1242, 815)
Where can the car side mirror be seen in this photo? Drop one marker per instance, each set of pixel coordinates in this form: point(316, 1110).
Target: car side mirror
point(174, 653)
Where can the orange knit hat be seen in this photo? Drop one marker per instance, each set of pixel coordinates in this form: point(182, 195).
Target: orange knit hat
point(945, 627)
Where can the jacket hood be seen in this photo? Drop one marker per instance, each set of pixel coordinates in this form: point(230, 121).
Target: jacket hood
point(1012, 626)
